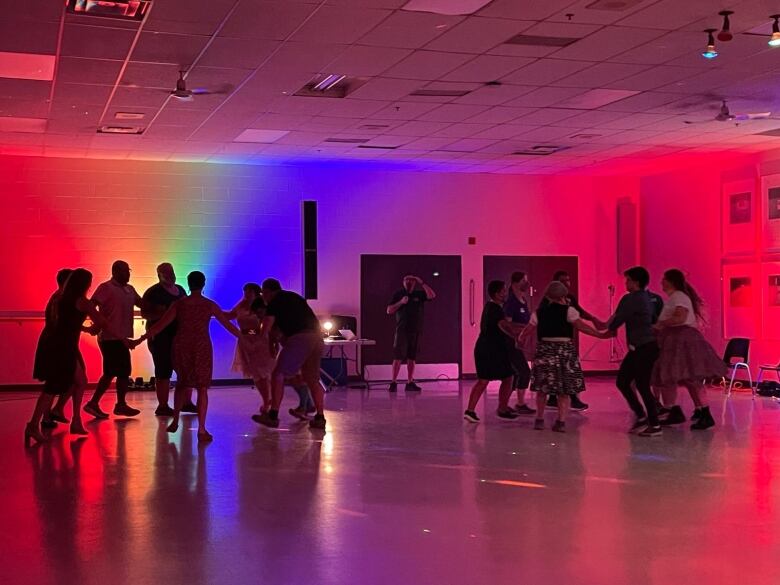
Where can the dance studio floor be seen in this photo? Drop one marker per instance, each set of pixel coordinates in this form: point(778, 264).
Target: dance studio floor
point(399, 491)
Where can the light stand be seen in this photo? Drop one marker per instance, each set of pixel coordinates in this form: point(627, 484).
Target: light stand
point(616, 350)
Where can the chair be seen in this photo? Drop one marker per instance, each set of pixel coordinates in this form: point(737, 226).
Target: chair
point(767, 368)
point(736, 356)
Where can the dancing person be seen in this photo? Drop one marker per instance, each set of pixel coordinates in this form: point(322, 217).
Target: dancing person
point(492, 354)
point(686, 358)
point(407, 305)
point(636, 311)
point(556, 367)
point(289, 315)
point(516, 308)
point(193, 355)
point(156, 301)
point(60, 365)
point(115, 300)
point(305, 403)
point(253, 358)
point(565, 278)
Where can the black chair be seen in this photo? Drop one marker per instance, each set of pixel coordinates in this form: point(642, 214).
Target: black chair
point(767, 368)
point(735, 357)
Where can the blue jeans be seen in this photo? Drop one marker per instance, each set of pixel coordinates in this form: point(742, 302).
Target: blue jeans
point(304, 396)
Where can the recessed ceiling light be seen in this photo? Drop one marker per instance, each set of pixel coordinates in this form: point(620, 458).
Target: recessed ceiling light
point(120, 130)
point(124, 9)
point(129, 116)
point(27, 66)
point(330, 85)
point(541, 41)
point(440, 92)
point(613, 5)
point(257, 135)
point(446, 6)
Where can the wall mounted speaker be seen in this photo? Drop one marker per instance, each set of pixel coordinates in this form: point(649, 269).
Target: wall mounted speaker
point(309, 219)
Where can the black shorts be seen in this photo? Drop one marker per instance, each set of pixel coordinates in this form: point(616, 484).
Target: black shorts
point(405, 344)
point(161, 348)
point(116, 358)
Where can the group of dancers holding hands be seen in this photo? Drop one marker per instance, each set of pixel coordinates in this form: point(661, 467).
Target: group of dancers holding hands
point(279, 342)
point(666, 350)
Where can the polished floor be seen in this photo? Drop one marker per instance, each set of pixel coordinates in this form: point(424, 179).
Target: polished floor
point(399, 491)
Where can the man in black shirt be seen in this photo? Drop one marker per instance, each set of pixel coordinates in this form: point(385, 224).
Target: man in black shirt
point(636, 311)
point(564, 277)
point(407, 305)
point(156, 301)
point(289, 314)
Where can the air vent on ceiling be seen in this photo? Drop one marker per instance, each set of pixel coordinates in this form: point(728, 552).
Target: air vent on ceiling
point(332, 85)
point(613, 5)
point(539, 41)
point(374, 127)
point(586, 136)
point(120, 130)
point(377, 147)
point(441, 92)
point(541, 150)
point(348, 140)
point(124, 9)
point(774, 132)
point(129, 116)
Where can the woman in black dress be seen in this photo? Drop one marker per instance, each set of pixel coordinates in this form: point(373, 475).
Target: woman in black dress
point(491, 354)
point(58, 361)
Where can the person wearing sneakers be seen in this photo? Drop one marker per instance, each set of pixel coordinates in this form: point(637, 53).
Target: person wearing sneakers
point(407, 305)
point(565, 278)
point(301, 349)
point(491, 354)
point(686, 358)
point(519, 314)
point(156, 301)
point(636, 311)
point(115, 300)
point(556, 370)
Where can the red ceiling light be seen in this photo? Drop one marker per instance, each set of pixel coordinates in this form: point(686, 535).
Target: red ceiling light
point(124, 9)
point(725, 31)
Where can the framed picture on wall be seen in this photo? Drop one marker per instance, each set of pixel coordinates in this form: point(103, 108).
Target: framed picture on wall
point(770, 220)
point(770, 299)
point(742, 297)
point(738, 226)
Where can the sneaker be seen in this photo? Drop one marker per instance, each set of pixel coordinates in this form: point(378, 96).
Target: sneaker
point(524, 409)
point(539, 424)
point(311, 410)
point(577, 404)
point(94, 410)
point(393, 387)
point(507, 414)
point(652, 432)
point(705, 420)
point(412, 387)
point(163, 411)
point(48, 423)
point(471, 416)
point(298, 413)
point(190, 408)
point(58, 418)
point(266, 419)
point(559, 426)
point(125, 410)
point(696, 414)
point(663, 411)
point(676, 416)
point(552, 401)
point(639, 425)
point(318, 422)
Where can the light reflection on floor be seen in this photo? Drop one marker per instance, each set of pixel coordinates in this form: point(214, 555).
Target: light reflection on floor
point(400, 490)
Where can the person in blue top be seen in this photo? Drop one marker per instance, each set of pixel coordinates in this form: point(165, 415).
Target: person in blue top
point(517, 310)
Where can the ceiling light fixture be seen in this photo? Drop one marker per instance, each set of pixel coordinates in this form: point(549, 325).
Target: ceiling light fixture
point(329, 82)
point(124, 9)
point(725, 31)
point(774, 40)
point(710, 52)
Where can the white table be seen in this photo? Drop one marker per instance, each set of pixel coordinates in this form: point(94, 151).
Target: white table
point(341, 344)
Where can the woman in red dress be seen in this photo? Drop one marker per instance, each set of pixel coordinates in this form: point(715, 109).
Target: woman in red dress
point(193, 355)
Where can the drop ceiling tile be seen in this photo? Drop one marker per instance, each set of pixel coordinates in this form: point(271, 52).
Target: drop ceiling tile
point(404, 111)
point(486, 68)
point(178, 117)
point(93, 71)
point(642, 102)
point(193, 17)
point(428, 65)
point(591, 119)
point(546, 71)
point(382, 88)
point(158, 47)
point(339, 24)
point(523, 10)
point(545, 116)
point(25, 37)
point(31, 67)
point(500, 115)
point(168, 132)
point(139, 96)
point(78, 93)
point(310, 58)
point(418, 128)
point(266, 20)
point(24, 89)
point(504, 131)
point(96, 42)
point(670, 14)
point(601, 75)
point(544, 97)
point(23, 108)
point(584, 13)
point(237, 53)
point(347, 108)
point(606, 43)
point(410, 30)
point(596, 98)
point(494, 95)
point(652, 78)
point(477, 35)
point(662, 49)
point(27, 125)
point(469, 145)
point(429, 143)
point(452, 113)
point(655, 121)
point(463, 130)
point(367, 61)
point(157, 75)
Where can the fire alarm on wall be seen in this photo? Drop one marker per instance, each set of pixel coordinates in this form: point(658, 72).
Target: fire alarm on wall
point(472, 241)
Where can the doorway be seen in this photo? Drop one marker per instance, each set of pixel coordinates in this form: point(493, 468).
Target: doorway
point(440, 342)
point(540, 270)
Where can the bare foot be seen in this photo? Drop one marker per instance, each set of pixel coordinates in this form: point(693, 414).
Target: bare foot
point(173, 427)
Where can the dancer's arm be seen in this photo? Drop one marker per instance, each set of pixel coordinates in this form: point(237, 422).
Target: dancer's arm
point(97, 319)
point(167, 319)
point(220, 316)
point(679, 317)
